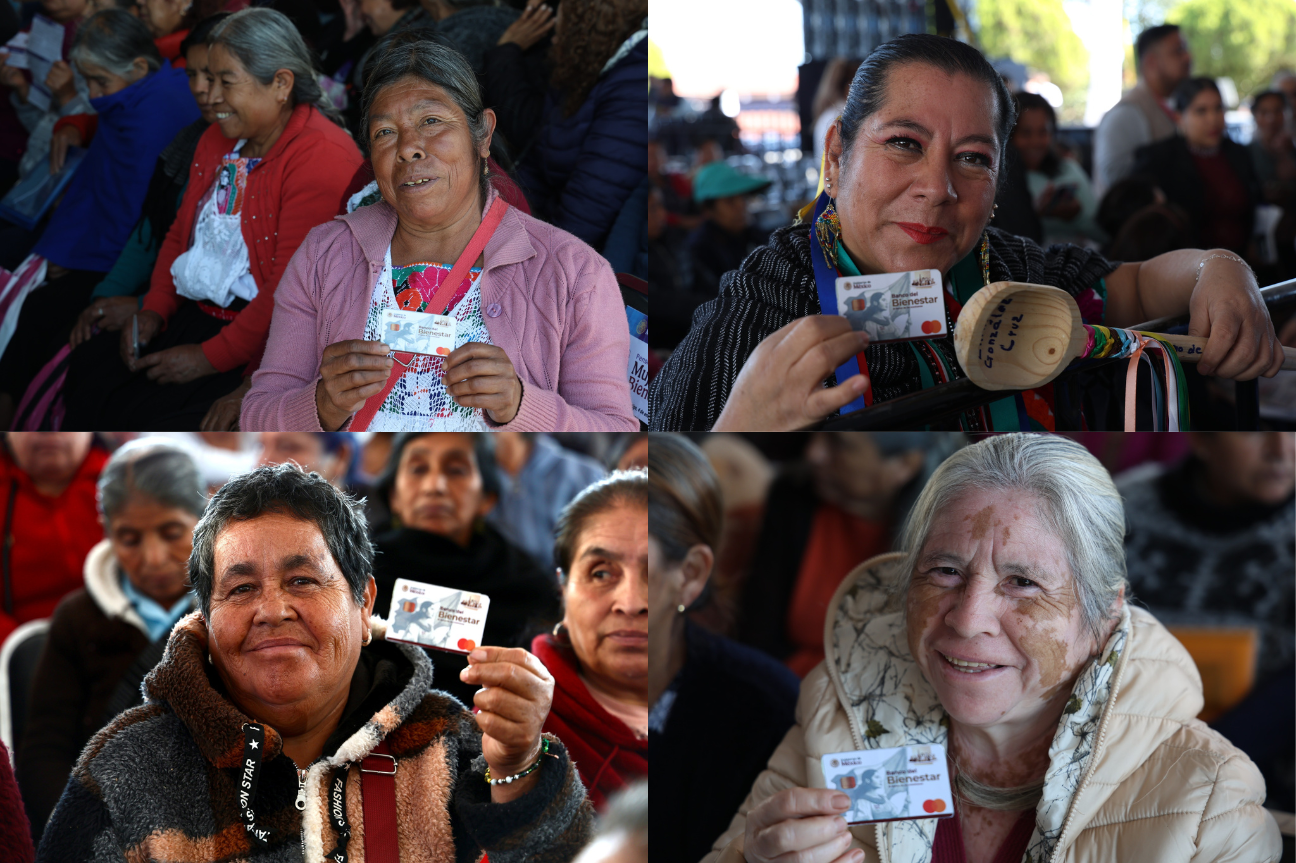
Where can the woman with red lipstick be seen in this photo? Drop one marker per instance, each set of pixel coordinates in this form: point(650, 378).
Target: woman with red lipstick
point(598, 653)
point(911, 172)
point(1001, 631)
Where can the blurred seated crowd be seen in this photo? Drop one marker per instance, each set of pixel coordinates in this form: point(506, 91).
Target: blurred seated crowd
point(1162, 174)
point(99, 530)
point(753, 534)
point(237, 187)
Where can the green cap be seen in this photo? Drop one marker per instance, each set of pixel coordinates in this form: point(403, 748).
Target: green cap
point(720, 180)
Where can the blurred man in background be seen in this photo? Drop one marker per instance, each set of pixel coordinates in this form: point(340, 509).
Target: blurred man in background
point(1143, 115)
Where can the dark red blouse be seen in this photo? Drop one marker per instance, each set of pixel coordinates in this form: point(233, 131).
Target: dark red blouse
point(948, 847)
point(1226, 204)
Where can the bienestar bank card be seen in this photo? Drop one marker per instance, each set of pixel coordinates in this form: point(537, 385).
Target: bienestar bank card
point(439, 617)
point(892, 784)
point(893, 307)
point(418, 332)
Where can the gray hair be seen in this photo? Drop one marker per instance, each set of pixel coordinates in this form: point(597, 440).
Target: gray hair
point(112, 40)
point(285, 489)
point(412, 54)
point(265, 41)
point(154, 469)
point(1079, 503)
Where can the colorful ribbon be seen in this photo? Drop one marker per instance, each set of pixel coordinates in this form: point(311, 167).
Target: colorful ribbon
point(1114, 343)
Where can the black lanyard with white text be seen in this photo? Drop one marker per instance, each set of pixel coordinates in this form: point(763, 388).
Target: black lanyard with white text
point(253, 746)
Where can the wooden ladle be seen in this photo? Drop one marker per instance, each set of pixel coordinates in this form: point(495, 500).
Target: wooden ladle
point(1017, 336)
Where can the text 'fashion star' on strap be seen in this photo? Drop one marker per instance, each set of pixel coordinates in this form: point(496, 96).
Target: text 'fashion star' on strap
point(253, 746)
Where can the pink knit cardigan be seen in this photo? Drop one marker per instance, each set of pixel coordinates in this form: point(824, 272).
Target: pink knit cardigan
point(549, 300)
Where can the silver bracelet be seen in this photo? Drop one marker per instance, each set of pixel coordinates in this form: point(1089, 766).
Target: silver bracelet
point(1226, 255)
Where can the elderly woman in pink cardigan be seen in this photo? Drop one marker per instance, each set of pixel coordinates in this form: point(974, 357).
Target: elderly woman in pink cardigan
point(514, 323)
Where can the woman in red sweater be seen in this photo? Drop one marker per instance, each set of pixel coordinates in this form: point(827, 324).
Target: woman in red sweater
point(272, 167)
point(598, 654)
point(49, 520)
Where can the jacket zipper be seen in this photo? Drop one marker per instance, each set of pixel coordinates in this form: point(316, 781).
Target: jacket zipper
point(1102, 731)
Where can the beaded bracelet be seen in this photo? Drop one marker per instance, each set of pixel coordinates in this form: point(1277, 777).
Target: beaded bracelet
point(544, 750)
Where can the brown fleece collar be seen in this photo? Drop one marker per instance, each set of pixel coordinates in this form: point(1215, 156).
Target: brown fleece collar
point(180, 680)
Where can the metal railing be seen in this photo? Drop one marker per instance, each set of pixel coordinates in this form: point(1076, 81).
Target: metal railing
point(948, 400)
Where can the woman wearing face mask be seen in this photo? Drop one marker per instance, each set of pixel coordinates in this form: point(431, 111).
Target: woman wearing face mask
point(1001, 631)
point(1202, 170)
point(141, 104)
point(116, 298)
point(105, 637)
point(911, 173)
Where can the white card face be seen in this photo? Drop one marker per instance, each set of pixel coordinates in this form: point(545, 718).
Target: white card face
point(16, 49)
point(894, 307)
point(45, 39)
point(418, 332)
point(440, 617)
point(892, 784)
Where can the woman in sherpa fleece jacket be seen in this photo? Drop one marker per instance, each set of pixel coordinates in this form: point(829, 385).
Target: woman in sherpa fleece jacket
point(279, 683)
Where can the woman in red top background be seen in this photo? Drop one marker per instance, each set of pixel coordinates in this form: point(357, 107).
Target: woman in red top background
point(1204, 171)
point(598, 654)
point(49, 518)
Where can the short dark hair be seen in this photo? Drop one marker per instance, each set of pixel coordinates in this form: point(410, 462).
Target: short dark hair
point(483, 452)
point(285, 489)
point(1122, 200)
point(628, 487)
point(1150, 37)
point(868, 89)
point(413, 53)
point(1267, 94)
point(1188, 90)
point(198, 35)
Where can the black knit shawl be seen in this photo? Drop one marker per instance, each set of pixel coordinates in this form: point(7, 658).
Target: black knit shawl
point(775, 286)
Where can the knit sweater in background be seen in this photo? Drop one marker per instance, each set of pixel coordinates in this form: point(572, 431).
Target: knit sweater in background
point(776, 286)
point(161, 783)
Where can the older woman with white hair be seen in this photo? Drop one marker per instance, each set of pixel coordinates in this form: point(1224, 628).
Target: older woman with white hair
point(274, 165)
point(1001, 631)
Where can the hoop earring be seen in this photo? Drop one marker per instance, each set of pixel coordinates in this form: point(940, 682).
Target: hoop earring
point(560, 633)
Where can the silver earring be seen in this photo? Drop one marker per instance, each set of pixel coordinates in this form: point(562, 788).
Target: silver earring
point(827, 184)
